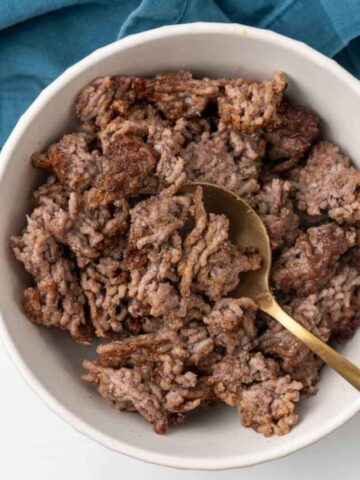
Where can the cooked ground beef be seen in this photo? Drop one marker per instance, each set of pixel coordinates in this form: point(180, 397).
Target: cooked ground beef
point(72, 161)
point(105, 286)
point(330, 183)
point(231, 324)
point(222, 271)
point(287, 143)
point(309, 264)
point(276, 209)
point(130, 163)
point(179, 95)
point(117, 250)
point(248, 106)
point(88, 222)
point(227, 158)
point(234, 371)
point(125, 169)
point(268, 406)
point(57, 299)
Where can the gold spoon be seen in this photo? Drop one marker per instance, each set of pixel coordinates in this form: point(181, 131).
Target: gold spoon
point(248, 230)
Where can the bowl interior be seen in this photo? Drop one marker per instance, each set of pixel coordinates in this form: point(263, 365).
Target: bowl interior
point(50, 361)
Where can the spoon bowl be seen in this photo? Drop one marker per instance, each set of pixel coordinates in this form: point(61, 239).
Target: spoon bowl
point(247, 230)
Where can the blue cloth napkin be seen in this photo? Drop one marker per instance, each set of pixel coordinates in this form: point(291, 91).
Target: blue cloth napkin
point(39, 39)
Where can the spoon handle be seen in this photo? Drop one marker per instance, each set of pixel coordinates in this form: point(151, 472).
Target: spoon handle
point(340, 364)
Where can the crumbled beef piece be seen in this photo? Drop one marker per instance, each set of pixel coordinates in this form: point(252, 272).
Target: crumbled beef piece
point(210, 264)
point(288, 142)
point(170, 168)
point(54, 191)
point(193, 392)
point(221, 274)
point(307, 373)
point(231, 324)
point(105, 285)
point(149, 285)
point(191, 130)
point(190, 344)
point(332, 311)
point(308, 313)
point(248, 152)
point(87, 222)
point(268, 407)
point(281, 344)
point(130, 164)
point(126, 168)
point(329, 183)
point(193, 307)
point(141, 121)
point(156, 297)
point(162, 299)
point(178, 95)
point(212, 160)
point(107, 97)
point(133, 389)
point(71, 161)
point(339, 301)
point(36, 248)
point(57, 300)
point(133, 351)
point(248, 106)
point(209, 161)
point(129, 91)
point(94, 101)
point(277, 212)
point(197, 254)
point(233, 372)
point(197, 342)
point(153, 368)
point(309, 264)
point(155, 219)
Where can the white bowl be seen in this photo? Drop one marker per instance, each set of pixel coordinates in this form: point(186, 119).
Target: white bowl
point(49, 360)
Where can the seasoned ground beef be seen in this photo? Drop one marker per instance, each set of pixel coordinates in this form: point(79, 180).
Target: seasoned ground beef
point(231, 324)
point(330, 183)
point(130, 163)
point(248, 106)
point(233, 372)
point(227, 158)
point(72, 161)
point(287, 143)
point(222, 271)
point(117, 250)
point(105, 286)
point(88, 222)
point(125, 169)
point(179, 95)
point(309, 264)
point(268, 406)
point(57, 299)
point(276, 209)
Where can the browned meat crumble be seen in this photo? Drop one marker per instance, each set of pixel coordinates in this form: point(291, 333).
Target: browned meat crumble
point(330, 183)
point(117, 251)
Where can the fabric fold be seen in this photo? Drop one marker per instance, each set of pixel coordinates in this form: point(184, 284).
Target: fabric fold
point(39, 39)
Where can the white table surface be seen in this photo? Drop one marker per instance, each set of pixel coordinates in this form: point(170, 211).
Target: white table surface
point(36, 444)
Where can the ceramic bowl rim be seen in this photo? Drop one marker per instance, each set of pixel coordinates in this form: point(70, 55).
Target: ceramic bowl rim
point(234, 461)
